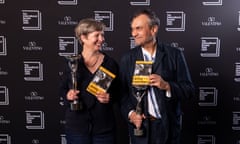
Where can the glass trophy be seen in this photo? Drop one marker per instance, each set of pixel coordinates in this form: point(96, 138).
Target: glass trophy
point(76, 104)
point(139, 93)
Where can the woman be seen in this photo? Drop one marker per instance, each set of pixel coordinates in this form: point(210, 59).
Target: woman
point(94, 124)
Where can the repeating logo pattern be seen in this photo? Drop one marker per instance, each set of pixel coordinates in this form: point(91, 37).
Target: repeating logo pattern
point(34, 39)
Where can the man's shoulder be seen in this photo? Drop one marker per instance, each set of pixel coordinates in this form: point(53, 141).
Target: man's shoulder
point(169, 49)
point(131, 52)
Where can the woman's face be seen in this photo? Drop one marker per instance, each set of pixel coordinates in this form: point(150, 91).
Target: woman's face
point(93, 40)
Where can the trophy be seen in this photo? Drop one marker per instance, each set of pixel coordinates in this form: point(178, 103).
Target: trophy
point(76, 104)
point(139, 92)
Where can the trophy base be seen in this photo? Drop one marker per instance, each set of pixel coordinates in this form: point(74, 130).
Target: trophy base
point(76, 106)
point(138, 132)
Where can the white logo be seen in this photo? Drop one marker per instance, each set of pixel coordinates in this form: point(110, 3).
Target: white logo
point(33, 71)
point(208, 96)
point(206, 139)
point(132, 43)
point(210, 47)
point(35, 141)
point(209, 72)
point(105, 47)
point(236, 121)
point(237, 72)
point(68, 46)
point(176, 45)
point(32, 46)
point(2, 21)
point(175, 21)
point(238, 49)
point(67, 20)
point(2, 1)
point(4, 97)
point(32, 20)
point(3, 47)
point(68, 2)
point(3, 120)
point(2, 72)
point(238, 21)
point(237, 98)
point(33, 95)
point(106, 17)
point(206, 119)
point(63, 139)
point(211, 21)
point(5, 139)
point(34, 119)
point(212, 3)
point(140, 3)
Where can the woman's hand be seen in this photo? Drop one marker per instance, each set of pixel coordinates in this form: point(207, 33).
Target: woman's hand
point(72, 94)
point(103, 97)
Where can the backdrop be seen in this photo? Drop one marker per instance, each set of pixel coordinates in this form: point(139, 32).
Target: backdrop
point(36, 35)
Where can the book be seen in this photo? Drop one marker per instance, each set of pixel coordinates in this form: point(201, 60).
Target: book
point(101, 81)
point(141, 73)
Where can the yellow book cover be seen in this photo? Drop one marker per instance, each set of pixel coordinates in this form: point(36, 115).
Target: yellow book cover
point(141, 73)
point(101, 81)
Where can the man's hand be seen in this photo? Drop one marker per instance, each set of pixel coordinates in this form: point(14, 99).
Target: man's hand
point(136, 119)
point(158, 81)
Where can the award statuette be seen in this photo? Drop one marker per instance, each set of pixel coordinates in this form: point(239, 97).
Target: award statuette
point(75, 105)
point(139, 92)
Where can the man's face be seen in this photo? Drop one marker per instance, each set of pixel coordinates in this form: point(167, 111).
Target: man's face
point(142, 33)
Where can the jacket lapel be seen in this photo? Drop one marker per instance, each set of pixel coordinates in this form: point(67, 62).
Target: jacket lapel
point(159, 56)
point(139, 55)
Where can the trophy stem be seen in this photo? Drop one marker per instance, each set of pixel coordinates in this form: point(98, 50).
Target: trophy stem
point(74, 80)
point(138, 131)
point(139, 95)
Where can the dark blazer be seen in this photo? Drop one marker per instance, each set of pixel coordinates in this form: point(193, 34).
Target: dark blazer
point(170, 64)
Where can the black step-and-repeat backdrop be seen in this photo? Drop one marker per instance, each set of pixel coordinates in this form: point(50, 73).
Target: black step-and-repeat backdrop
point(36, 35)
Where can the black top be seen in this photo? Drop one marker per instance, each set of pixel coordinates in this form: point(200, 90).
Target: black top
point(95, 118)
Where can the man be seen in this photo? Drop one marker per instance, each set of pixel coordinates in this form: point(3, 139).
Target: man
point(170, 83)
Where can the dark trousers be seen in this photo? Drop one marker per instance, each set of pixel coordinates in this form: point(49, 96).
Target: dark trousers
point(154, 133)
point(157, 133)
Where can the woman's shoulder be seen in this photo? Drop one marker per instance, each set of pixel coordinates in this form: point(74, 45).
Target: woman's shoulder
point(109, 62)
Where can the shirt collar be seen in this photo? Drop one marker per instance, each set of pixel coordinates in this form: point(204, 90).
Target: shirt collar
point(148, 55)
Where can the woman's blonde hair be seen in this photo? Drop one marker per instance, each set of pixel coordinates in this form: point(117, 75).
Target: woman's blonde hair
point(86, 26)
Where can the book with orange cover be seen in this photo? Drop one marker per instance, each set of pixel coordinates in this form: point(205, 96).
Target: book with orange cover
point(101, 81)
point(141, 73)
